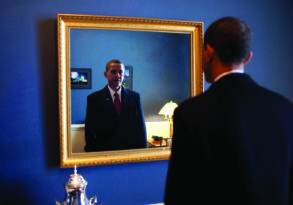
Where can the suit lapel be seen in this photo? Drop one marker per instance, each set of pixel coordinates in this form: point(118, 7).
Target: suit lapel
point(124, 97)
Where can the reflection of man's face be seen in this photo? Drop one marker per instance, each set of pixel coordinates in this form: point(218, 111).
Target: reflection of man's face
point(115, 75)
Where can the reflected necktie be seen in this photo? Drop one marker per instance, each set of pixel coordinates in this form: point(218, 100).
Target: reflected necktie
point(117, 102)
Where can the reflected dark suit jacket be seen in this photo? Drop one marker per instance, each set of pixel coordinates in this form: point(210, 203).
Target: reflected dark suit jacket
point(107, 130)
point(232, 145)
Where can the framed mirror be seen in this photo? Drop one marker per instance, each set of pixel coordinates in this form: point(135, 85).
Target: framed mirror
point(162, 63)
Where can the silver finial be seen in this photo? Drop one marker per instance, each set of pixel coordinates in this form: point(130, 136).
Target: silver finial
point(75, 169)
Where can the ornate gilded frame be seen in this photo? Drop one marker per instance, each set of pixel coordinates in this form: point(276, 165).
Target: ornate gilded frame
point(69, 21)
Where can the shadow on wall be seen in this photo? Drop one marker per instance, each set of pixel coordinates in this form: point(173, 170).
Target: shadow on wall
point(47, 51)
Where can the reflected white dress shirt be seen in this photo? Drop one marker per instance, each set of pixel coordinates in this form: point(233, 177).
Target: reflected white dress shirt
point(112, 92)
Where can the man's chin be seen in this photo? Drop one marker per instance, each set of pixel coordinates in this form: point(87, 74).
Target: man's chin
point(115, 85)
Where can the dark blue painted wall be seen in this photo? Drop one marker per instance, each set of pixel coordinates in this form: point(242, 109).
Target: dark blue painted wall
point(28, 90)
point(160, 64)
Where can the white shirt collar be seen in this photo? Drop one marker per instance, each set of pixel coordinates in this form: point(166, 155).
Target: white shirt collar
point(112, 92)
point(240, 70)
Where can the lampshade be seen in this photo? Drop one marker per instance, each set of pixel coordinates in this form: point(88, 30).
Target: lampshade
point(168, 109)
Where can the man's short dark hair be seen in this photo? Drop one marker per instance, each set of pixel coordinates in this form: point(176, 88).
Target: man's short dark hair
point(115, 61)
point(230, 37)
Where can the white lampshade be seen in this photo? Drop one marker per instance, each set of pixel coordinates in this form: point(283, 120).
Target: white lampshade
point(168, 109)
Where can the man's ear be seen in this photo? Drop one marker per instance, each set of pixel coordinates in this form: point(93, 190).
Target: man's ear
point(248, 57)
point(209, 50)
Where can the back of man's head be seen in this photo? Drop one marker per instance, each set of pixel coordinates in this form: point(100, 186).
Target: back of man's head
point(230, 37)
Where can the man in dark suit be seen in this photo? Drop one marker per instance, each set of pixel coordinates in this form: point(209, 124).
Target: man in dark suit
point(114, 118)
point(232, 144)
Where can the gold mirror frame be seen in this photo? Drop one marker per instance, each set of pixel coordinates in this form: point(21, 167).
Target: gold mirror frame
point(69, 21)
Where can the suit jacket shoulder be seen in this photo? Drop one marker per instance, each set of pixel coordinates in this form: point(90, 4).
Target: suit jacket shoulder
point(192, 107)
point(233, 90)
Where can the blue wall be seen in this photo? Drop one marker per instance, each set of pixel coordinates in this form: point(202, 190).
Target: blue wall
point(28, 90)
point(160, 64)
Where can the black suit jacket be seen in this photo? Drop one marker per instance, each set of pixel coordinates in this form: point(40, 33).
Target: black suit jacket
point(107, 130)
point(232, 145)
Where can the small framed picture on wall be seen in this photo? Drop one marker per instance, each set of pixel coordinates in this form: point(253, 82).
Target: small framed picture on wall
point(128, 77)
point(81, 78)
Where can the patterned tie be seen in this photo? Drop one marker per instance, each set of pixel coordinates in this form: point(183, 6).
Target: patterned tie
point(117, 103)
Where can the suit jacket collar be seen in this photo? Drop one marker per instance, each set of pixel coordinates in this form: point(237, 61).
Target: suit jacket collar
point(113, 91)
point(124, 98)
point(109, 101)
point(106, 93)
point(233, 81)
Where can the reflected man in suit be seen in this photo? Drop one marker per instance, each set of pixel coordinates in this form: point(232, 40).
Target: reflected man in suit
point(233, 143)
point(114, 117)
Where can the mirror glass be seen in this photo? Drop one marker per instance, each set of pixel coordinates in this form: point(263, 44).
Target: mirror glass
point(162, 64)
point(157, 67)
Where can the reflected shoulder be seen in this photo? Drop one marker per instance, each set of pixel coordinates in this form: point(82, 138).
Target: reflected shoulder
point(97, 93)
point(131, 92)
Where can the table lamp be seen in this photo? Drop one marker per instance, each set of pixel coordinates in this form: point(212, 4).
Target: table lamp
point(167, 110)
